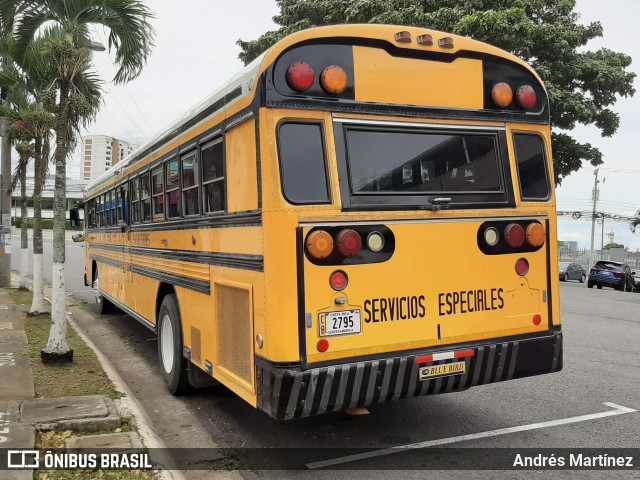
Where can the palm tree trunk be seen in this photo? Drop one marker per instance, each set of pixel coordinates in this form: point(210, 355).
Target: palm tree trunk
point(57, 349)
point(24, 237)
point(41, 155)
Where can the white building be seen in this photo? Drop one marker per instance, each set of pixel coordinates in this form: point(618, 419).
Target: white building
point(74, 191)
point(100, 153)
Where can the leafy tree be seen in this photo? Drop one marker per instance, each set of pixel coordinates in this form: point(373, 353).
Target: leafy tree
point(131, 37)
point(613, 245)
point(581, 84)
point(30, 80)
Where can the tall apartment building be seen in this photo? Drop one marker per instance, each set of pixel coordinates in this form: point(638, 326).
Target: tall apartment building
point(100, 153)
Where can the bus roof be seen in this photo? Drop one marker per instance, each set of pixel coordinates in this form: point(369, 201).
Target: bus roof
point(243, 82)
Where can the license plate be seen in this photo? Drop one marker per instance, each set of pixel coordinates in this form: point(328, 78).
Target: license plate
point(340, 323)
point(432, 371)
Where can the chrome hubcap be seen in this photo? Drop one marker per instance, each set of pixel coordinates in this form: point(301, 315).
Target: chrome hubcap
point(166, 343)
point(96, 290)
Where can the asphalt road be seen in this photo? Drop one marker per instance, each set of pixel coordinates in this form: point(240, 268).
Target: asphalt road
point(601, 365)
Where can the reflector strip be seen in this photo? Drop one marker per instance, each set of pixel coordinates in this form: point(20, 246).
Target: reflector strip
point(434, 357)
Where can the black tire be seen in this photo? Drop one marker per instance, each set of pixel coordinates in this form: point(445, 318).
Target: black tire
point(583, 278)
point(589, 284)
point(173, 365)
point(566, 277)
point(599, 287)
point(102, 304)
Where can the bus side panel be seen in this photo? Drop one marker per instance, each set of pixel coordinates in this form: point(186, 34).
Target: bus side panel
point(241, 172)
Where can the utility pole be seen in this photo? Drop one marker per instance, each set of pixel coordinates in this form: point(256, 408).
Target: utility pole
point(5, 202)
point(593, 217)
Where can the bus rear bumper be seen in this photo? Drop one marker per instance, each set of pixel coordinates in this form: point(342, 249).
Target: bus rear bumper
point(286, 391)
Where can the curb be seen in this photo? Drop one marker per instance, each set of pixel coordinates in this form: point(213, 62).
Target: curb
point(130, 404)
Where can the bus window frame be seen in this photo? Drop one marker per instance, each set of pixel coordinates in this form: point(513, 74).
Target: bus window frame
point(194, 153)
point(212, 141)
point(119, 205)
point(157, 170)
point(323, 141)
point(545, 163)
point(134, 186)
point(505, 198)
point(146, 173)
point(177, 188)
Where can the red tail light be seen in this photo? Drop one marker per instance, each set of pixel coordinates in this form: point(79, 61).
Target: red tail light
point(349, 242)
point(323, 345)
point(338, 280)
point(522, 267)
point(526, 96)
point(300, 76)
point(514, 235)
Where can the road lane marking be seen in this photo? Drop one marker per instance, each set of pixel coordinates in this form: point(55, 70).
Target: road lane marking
point(617, 410)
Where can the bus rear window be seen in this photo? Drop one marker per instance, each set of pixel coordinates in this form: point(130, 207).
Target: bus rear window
point(302, 163)
point(532, 167)
point(413, 161)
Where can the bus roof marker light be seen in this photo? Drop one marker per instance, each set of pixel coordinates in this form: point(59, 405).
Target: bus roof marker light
point(404, 37)
point(502, 94)
point(333, 79)
point(445, 42)
point(319, 244)
point(526, 97)
point(514, 235)
point(536, 234)
point(425, 39)
point(300, 76)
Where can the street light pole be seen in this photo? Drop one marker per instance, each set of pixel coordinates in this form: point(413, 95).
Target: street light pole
point(5, 205)
point(593, 217)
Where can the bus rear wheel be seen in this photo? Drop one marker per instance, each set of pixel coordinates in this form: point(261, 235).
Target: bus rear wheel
point(102, 304)
point(172, 363)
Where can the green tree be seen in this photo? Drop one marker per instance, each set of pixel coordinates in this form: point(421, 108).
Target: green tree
point(131, 37)
point(30, 79)
point(614, 245)
point(581, 84)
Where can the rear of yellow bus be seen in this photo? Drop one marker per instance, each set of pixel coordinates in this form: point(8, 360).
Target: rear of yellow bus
point(409, 225)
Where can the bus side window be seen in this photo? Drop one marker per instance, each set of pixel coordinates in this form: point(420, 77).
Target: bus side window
point(532, 167)
point(145, 197)
point(212, 157)
point(114, 201)
point(124, 193)
point(303, 167)
point(107, 209)
point(172, 188)
point(119, 205)
point(135, 200)
point(190, 197)
point(157, 193)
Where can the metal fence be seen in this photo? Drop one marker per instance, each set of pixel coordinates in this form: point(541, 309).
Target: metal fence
point(582, 257)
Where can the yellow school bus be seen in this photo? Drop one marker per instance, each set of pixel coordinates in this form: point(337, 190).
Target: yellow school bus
point(365, 213)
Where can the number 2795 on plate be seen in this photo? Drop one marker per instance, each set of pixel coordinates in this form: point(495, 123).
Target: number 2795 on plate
point(339, 323)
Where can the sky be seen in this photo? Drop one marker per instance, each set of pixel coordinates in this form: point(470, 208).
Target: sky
point(196, 52)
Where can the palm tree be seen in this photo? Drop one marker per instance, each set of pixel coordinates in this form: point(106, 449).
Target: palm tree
point(131, 37)
point(30, 76)
point(25, 151)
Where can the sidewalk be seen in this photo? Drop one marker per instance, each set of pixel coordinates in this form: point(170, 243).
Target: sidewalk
point(161, 421)
point(21, 414)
